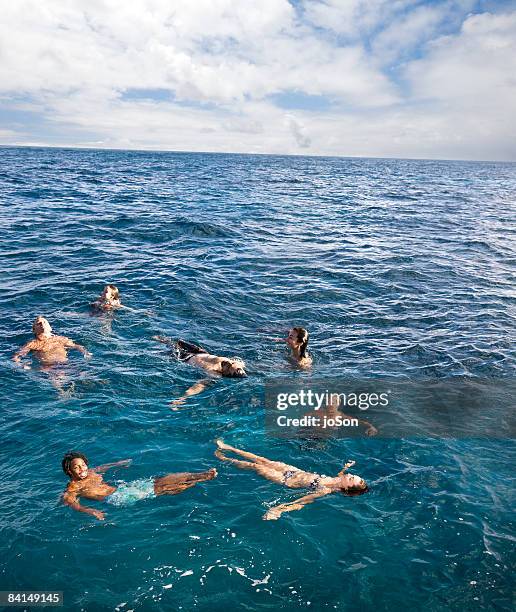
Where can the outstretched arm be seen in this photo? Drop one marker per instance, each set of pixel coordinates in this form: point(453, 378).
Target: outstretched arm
point(70, 498)
point(273, 330)
point(107, 466)
point(164, 340)
point(346, 467)
point(146, 313)
point(78, 347)
point(371, 429)
point(196, 388)
point(25, 350)
point(275, 512)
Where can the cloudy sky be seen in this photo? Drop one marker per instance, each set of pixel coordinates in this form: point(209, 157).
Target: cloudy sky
point(380, 78)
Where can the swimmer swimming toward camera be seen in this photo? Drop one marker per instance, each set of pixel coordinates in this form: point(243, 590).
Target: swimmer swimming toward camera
point(88, 483)
point(297, 339)
point(229, 367)
point(109, 299)
point(109, 302)
point(294, 478)
point(48, 348)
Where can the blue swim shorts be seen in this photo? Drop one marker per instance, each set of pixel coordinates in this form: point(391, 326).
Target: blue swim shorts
point(129, 493)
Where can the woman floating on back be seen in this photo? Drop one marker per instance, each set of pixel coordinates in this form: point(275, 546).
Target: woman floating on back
point(290, 476)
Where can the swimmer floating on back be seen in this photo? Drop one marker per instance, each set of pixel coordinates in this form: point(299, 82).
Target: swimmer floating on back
point(294, 478)
point(49, 349)
point(88, 483)
point(230, 367)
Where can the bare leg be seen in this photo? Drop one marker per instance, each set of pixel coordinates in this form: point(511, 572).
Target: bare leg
point(270, 473)
point(172, 484)
point(245, 465)
point(58, 379)
point(273, 465)
point(223, 446)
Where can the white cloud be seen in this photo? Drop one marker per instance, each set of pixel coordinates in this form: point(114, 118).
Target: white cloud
point(206, 50)
point(469, 83)
point(352, 17)
point(298, 131)
point(408, 31)
point(7, 134)
point(475, 68)
point(222, 60)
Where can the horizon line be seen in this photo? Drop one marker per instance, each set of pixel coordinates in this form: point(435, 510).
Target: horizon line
point(313, 155)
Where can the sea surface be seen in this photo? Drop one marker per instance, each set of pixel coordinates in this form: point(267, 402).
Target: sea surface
point(396, 267)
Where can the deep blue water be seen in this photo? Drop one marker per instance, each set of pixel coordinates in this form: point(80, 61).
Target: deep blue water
point(396, 267)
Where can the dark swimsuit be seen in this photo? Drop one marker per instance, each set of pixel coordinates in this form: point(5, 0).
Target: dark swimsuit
point(312, 486)
point(186, 350)
point(288, 474)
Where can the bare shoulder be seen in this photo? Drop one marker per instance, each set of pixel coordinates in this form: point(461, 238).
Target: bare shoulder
point(71, 490)
point(72, 487)
point(94, 475)
point(306, 362)
point(64, 340)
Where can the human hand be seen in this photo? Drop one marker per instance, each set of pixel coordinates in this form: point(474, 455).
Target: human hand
point(98, 514)
point(175, 404)
point(272, 514)
point(87, 355)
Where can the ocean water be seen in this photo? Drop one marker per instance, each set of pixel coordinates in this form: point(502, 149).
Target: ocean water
point(396, 267)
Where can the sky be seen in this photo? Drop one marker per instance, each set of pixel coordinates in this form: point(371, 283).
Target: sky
point(370, 78)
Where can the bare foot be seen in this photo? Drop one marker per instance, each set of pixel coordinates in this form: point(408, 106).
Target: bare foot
point(176, 404)
point(222, 445)
point(213, 473)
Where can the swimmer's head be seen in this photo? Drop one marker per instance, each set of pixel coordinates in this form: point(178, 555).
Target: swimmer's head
point(298, 339)
point(75, 465)
point(110, 293)
point(233, 368)
point(41, 327)
point(352, 485)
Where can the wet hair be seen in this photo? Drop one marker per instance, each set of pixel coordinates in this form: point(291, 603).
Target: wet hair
point(66, 463)
point(114, 289)
point(225, 368)
point(36, 321)
point(302, 338)
point(352, 491)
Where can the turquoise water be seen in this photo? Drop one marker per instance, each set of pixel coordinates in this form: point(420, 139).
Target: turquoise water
point(396, 267)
